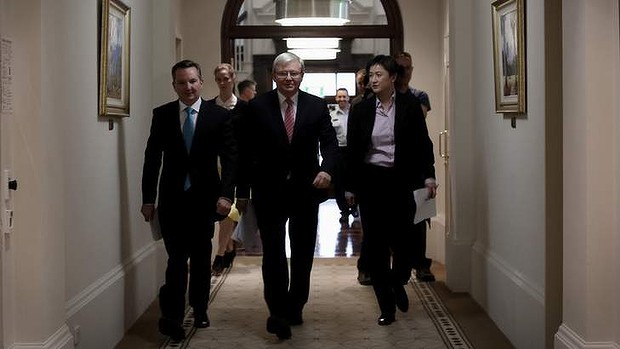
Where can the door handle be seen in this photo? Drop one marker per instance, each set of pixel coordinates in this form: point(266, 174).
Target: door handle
point(443, 145)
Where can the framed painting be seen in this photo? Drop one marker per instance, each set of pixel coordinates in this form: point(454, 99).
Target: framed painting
point(509, 55)
point(114, 59)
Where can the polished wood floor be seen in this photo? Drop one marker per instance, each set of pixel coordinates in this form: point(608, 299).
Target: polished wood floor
point(334, 239)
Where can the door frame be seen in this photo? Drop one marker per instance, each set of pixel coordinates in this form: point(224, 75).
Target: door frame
point(231, 30)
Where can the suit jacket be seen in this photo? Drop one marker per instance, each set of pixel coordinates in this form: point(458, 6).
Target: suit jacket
point(269, 160)
point(165, 150)
point(235, 114)
point(413, 159)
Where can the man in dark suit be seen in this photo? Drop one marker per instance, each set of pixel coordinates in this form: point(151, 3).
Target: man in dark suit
point(280, 159)
point(190, 134)
point(421, 263)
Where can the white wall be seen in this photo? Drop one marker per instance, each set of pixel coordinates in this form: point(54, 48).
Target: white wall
point(201, 23)
point(119, 266)
point(504, 201)
point(32, 256)
point(423, 26)
point(591, 308)
point(80, 254)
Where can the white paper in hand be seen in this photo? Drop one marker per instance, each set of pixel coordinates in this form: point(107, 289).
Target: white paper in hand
point(425, 207)
point(155, 227)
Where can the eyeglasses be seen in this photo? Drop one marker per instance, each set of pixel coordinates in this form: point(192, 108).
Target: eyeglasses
point(285, 74)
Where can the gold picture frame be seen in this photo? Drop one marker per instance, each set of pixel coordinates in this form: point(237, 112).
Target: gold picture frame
point(509, 55)
point(114, 59)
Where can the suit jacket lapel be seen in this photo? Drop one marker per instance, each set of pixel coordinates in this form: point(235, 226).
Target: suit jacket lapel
point(276, 112)
point(369, 122)
point(399, 117)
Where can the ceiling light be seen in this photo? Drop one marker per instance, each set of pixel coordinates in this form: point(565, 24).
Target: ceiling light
point(312, 42)
point(312, 54)
point(312, 12)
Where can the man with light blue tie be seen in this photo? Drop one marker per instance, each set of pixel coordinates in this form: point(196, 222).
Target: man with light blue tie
point(187, 137)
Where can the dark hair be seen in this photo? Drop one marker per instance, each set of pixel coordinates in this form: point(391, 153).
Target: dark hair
point(247, 83)
point(184, 64)
point(405, 54)
point(401, 69)
point(387, 62)
point(343, 89)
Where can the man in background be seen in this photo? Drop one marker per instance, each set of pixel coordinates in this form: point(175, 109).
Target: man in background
point(340, 116)
point(247, 90)
point(421, 263)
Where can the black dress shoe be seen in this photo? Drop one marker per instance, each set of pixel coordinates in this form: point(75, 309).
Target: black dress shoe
point(218, 266)
point(201, 320)
point(229, 257)
point(424, 275)
point(364, 278)
point(385, 320)
point(279, 327)
point(402, 302)
point(171, 329)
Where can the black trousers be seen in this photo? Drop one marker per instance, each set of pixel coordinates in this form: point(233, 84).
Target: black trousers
point(387, 210)
point(187, 231)
point(419, 247)
point(338, 183)
point(286, 292)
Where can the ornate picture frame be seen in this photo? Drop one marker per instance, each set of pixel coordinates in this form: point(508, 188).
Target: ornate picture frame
point(114, 59)
point(509, 55)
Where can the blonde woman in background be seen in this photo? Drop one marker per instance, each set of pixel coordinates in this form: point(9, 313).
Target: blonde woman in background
point(224, 75)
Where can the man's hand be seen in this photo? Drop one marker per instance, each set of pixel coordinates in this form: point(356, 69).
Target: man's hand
point(432, 190)
point(223, 206)
point(148, 211)
point(322, 180)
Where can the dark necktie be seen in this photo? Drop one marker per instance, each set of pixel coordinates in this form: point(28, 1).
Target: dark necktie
point(188, 128)
point(289, 119)
point(188, 136)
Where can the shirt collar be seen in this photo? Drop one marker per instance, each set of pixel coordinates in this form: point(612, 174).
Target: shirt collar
point(294, 98)
point(228, 104)
point(340, 111)
point(195, 106)
point(378, 102)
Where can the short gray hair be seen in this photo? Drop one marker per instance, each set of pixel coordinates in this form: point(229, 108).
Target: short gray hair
point(286, 57)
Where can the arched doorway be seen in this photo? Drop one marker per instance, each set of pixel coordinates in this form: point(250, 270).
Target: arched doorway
point(235, 28)
point(231, 29)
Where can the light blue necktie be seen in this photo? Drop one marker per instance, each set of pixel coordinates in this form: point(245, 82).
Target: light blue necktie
point(188, 136)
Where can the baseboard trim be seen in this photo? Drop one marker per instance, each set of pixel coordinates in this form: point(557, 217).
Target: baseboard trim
point(62, 339)
point(77, 303)
point(518, 279)
point(566, 338)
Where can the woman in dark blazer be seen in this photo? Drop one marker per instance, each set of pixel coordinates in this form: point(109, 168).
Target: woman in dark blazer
point(389, 155)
